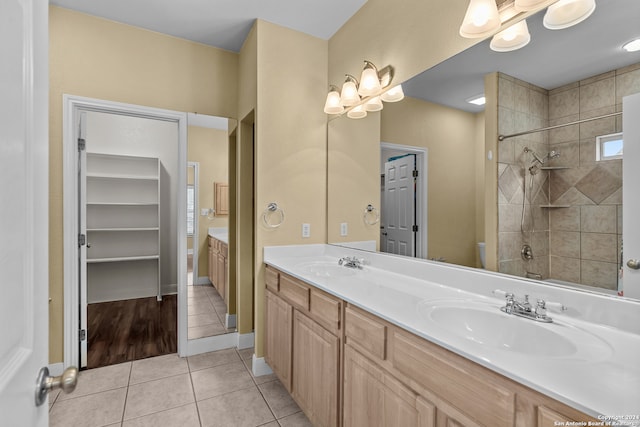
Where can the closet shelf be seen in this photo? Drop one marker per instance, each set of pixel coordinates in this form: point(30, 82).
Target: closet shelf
point(122, 204)
point(123, 177)
point(121, 259)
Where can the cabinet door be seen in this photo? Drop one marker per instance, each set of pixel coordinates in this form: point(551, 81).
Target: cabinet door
point(210, 264)
point(220, 270)
point(315, 373)
point(277, 344)
point(372, 397)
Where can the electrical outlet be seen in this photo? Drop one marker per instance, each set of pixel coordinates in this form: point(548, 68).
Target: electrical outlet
point(306, 230)
point(344, 229)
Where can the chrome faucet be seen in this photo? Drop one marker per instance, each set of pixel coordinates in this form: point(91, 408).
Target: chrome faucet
point(524, 308)
point(351, 262)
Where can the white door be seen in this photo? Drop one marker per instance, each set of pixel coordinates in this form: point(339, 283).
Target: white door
point(631, 194)
point(24, 212)
point(81, 138)
point(399, 208)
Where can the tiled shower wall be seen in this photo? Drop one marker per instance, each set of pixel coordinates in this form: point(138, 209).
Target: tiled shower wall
point(583, 240)
point(522, 106)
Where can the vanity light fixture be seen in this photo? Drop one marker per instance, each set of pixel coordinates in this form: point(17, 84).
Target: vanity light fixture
point(358, 98)
point(527, 5)
point(481, 19)
point(513, 38)
point(567, 13)
point(632, 46)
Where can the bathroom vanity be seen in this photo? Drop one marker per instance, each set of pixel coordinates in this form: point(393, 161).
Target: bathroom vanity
point(372, 346)
point(218, 261)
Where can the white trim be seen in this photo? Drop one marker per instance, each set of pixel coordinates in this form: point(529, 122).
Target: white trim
point(72, 105)
point(205, 121)
point(196, 216)
point(422, 159)
point(230, 320)
point(56, 369)
point(260, 367)
point(207, 344)
point(246, 340)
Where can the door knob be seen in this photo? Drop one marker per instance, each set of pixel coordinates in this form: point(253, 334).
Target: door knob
point(45, 383)
point(634, 264)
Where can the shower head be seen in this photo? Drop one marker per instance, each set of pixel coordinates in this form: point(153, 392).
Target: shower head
point(535, 156)
point(550, 155)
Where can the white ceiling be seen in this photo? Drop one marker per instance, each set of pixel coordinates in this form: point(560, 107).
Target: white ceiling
point(550, 60)
point(221, 23)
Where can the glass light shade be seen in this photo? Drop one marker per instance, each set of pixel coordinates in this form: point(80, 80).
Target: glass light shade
point(357, 113)
point(333, 105)
point(567, 13)
point(513, 38)
point(374, 104)
point(394, 94)
point(527, 5)
point(481, 19)
point(349, 95)
point(369, 82)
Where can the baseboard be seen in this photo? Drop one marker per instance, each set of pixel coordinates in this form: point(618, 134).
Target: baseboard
point(56, 369)
point(203, 280)
point(205, 345)
point(246, 340)
point(260, 367)
point(230, 320)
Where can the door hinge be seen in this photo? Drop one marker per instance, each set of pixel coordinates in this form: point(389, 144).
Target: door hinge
point(415, 173)
point(415, 228)
point(82, 334)
point(82, 144)
point(82, 239)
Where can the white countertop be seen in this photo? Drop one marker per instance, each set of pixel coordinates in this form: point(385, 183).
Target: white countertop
point(220, 233)
point(394, 288)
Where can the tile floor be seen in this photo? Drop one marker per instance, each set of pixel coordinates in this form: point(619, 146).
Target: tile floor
point(206, 312)
point(211, 389)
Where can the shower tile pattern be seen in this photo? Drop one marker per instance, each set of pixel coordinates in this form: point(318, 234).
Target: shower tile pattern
point(584, 240)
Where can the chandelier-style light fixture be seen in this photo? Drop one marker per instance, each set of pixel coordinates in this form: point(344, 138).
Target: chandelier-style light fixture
point(483, 18)
point(359, 97)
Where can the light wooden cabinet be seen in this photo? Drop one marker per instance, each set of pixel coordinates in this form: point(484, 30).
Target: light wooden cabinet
point(211, 264)
point(122, 213)
point(303, 345)
point(221, 196)
point(390, 377)
point(315, 373)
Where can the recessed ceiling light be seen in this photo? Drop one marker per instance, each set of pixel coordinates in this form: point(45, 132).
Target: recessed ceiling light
point(632, 46)
point(477, 100)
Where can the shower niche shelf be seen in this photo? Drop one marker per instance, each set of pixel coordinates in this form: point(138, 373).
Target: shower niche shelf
point(554, 168)
point(554, 206)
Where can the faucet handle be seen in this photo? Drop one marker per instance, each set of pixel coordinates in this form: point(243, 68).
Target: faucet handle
point(556, 306)
point(541, 308)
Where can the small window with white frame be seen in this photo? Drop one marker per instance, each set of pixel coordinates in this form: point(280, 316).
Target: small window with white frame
point(609, 147)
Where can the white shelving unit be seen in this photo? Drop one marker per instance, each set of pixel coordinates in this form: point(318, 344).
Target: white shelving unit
point(123, 227)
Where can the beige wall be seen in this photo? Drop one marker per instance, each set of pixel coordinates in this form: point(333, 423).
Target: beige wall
point(210, 148)
point(451, 140)
point(290, 157)
point(101, 59)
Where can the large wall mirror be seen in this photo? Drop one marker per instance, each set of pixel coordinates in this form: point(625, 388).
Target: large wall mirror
point(210, 295)
point(559, 198)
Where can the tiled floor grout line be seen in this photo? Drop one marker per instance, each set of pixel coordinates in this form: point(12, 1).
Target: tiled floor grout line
point(126, 395)
point(193, 389)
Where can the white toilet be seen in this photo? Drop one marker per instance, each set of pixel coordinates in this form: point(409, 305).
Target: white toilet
point(482, 253)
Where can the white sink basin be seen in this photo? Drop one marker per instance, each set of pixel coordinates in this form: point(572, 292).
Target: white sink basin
point(486, 325)
point(325, 269)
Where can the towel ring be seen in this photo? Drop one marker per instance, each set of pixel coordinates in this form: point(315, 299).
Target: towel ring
point(370, 212)
point(272, 208)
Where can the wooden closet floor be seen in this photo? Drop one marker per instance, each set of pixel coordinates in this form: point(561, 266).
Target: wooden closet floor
point(121, 331)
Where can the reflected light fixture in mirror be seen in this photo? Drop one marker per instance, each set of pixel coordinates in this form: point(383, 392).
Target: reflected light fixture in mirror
point(527, 5)
point(357, 112)
point(513, 38)
point(394, 94)
point(374, 104)
point(567, 13)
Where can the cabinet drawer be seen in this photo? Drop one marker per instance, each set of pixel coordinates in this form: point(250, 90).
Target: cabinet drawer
point(325, 309)
point(365, 332)
point(271, 279)
point(458, 381)
point(294, 291)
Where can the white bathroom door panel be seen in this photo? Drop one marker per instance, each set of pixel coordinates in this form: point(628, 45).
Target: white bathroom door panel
point(24, 216)
point(631, 193)
point(399, 205)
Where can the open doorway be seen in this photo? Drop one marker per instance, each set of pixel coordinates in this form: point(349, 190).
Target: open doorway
point(403, 196)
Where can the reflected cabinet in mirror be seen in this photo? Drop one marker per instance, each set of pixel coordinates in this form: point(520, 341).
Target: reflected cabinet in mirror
point(211, 304)
point(547, 198)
